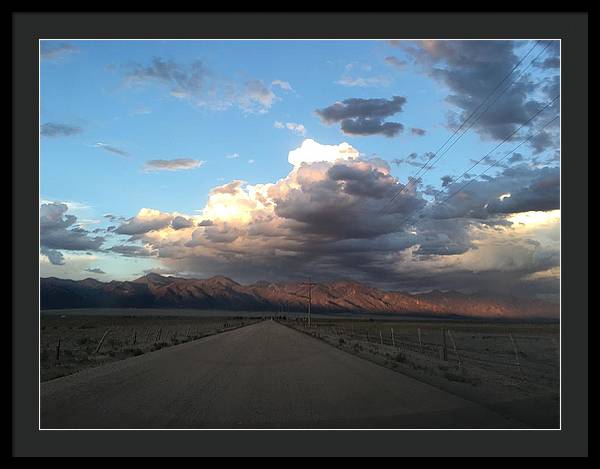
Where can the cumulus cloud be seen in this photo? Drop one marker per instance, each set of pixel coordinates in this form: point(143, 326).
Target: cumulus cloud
point(516, 189)
point(146, 220)
point(326, 216)
point(358, 116)
point(59, 231)
point(54, 257)
point(178, 222)
point(177, 164)
point(311, 151)
point(56, 129)
point(129, 250)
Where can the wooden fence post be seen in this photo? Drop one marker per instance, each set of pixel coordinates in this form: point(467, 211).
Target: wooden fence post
point(393, 341)
point(455, 351)
point(380, 337)
point(444, 349)
point(58, 350)
point(516, 351)
point(420, 343)
point(102, 340)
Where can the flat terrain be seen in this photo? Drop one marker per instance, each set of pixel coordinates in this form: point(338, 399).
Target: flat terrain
point(511, 367)
point(264, 375)
point(73, 340)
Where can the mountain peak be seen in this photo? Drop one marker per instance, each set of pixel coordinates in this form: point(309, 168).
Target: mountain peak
point(221, 279)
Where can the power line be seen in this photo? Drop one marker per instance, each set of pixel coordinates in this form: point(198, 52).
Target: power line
point(440, 155)
point(506, 139)
point(428, 163)
point(496, 162)
point(501, 159)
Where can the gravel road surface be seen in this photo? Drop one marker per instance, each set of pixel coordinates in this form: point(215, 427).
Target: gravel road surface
point(261, 376)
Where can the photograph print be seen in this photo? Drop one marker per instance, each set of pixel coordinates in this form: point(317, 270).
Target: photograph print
point(299, 234)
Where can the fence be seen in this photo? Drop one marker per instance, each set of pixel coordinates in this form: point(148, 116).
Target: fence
point(506, 351)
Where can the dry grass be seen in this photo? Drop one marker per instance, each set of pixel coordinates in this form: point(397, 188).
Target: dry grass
point(522, 383)
point(127, 336)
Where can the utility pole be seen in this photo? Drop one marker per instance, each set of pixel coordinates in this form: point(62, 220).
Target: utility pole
point(309, 284)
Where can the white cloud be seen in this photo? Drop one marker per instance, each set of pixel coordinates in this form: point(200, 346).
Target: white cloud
point(177, 164)
point(293, 126)
point(284, 85)
point(311, 151)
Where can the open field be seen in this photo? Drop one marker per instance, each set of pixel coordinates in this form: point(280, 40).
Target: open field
point(80, 334)
point(264, 375)
point(510, 367)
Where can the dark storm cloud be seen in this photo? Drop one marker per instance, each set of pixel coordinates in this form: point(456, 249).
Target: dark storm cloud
point(342, 205)
point(55, 257)
point(180, 222)
point(56, 129)
point(361, 108)
point(516, 189)
point(359, 116)
point(548, 63)
point(471, 70)
point(59, 232)
point(143, 224)
point(417, 131)
point(515, 158)
point(129, 250)
point(328, 218)
point(543, 141)
point(366, 126)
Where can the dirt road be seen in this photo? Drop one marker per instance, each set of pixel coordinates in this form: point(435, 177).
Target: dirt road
point(261, 376)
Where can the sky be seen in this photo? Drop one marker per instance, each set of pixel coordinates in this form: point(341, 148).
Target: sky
point(408, 165)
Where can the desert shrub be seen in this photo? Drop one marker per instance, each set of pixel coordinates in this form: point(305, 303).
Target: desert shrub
point(134, 351)
point(68, 353)
point(341, 341)
point(400, 357)
point(455, 377)
point(84, 340)
point(357, 347)
point(158, 346)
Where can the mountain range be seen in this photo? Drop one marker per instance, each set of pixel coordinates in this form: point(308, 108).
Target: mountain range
point(222, 293)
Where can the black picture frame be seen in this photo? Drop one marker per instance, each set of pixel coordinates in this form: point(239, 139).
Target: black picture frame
point(571, 440)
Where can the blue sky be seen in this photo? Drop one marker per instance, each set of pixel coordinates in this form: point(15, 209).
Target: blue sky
point(235, 109)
